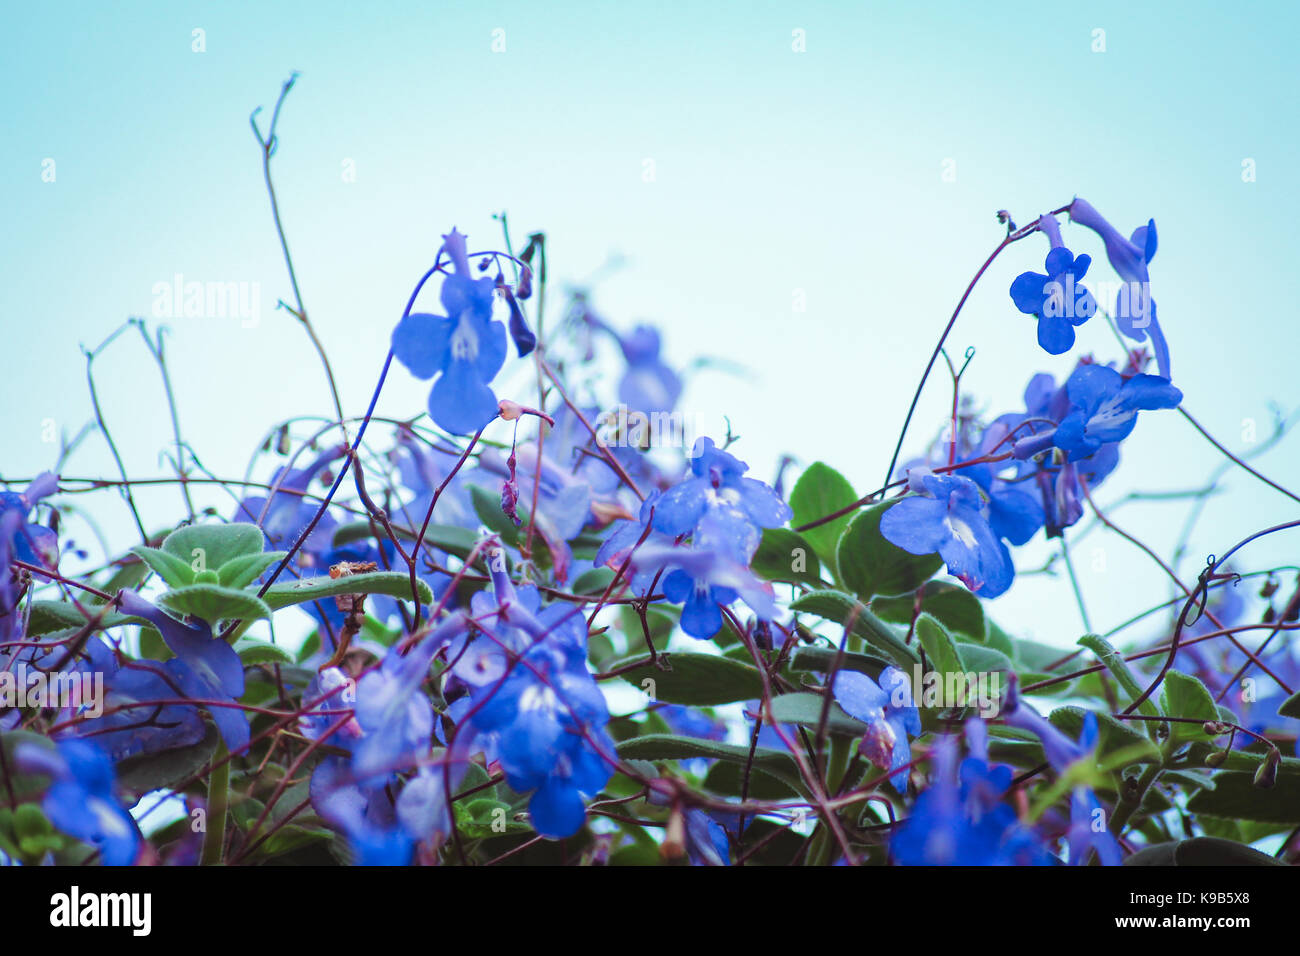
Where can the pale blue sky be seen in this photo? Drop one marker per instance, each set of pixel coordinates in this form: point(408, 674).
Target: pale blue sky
point(775, 171)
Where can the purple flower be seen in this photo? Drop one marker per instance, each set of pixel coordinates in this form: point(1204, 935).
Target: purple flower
point(464, 349)
point(1058, 299)
point(951, 518)
point(81, 802)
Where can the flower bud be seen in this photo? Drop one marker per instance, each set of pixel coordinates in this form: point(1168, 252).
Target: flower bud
point(1266, 775)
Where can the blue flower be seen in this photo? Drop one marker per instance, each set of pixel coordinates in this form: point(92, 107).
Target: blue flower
point(1103, 409)
point(961, 819)
point(718, 488)
point(890, 715)
point(289, 512)
point(1135, 310)
point(1087, 831)
point(704, 578)
point(22, 540)
point(706, 840)
point(951, 519)
point(1058, 299)
point(648, 386)
point(541, 715)
point(81, 802)
point(209, 667)
point(465, 348)
point(131, 723)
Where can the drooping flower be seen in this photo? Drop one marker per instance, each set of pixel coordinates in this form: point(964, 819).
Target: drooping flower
point(890, 715)
point(1135, 310)
point(131, 722)
point(1058, 299)
point(464, 349)
point(81, 801)
point(950, 518)
point(209, 670)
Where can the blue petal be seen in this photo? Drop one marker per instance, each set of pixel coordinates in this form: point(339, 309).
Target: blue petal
point(492, 348)
point(1015, 514)
point(763, 504)
point(1027, 292)
point(420, 343)
point(460, 402)
point(556, 810)
point(860, 696)
point(680, 507)
point(701, 616)
point(1055, 334)
point(1059, 260)
point(916, 524)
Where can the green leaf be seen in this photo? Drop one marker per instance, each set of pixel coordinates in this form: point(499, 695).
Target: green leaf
point(1212, 851)
point(698, 680)
point(672, 747)
point(1120, 670)
point(982, 659)
point(822, 659)
point(1290, 707)
point(166, 769)
point(821, 490)
point(26, 786)
point(48, 616)
point(594, 581)
point(783, 555)
point(1235, 796)
point(261, 652)
point(1185, 696)
point(209, 546)
point(870, 565)
point(392, 583)
point(939, 646)
point(1112, 735)
point(175, 572)
point(805, 709)
point(840, 608)
point(244, 570)
point(951, 604)
point(213, 603)
point(727, 780)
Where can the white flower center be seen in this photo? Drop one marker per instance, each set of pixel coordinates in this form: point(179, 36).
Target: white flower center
point(464, 341)
point(961, 531)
